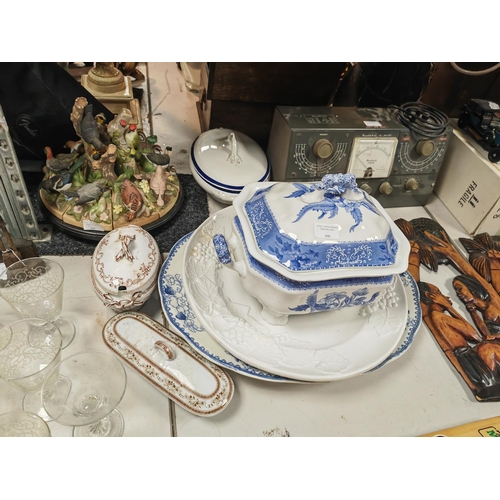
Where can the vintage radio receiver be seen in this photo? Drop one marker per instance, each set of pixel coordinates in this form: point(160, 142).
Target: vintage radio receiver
point(395, 153)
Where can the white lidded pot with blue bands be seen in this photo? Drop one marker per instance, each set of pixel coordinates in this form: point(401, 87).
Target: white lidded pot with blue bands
point(301, 248)
point(224, 161)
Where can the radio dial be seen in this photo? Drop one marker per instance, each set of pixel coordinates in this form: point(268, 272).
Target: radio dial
point(323, 148)
point(366, 187)
point(425, 147)
point(385, 188)
point(411, 184)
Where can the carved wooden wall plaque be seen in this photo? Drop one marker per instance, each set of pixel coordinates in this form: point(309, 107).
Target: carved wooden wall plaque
point(472, 343)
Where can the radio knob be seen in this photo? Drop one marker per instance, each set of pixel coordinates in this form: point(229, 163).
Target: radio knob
point(425, 147)
point(366, 187)
point(323, 148)
point(385, 188)
point(411, 184)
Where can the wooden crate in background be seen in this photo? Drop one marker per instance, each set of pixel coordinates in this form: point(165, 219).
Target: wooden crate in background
point(242, 96)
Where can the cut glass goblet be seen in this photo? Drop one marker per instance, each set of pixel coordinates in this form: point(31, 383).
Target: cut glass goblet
point(83, 391)
point(34, 288)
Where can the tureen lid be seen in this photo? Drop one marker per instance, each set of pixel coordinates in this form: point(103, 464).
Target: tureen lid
point(320, 230)
point(126, 259)
point(227, 159)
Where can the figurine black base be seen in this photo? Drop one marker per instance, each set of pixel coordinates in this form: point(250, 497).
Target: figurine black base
point(98, 235)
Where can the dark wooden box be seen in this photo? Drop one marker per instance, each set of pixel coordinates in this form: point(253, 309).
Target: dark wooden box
point(242, 96)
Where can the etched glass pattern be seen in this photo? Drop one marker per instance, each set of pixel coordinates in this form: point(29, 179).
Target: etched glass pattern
point(22, 424)
point(29, 355)
point(34, 288)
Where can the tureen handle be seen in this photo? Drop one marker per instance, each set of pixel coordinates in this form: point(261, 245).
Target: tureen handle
point(124, 251)
point(233, 157)
point(221, 246)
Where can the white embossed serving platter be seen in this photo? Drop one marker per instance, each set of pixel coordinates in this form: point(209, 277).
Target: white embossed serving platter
point(413, 319)
point(169, 363)
point(182, 319)
point(320, 347)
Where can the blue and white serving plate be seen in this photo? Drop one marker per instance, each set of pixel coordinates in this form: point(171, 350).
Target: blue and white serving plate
point(327, 360)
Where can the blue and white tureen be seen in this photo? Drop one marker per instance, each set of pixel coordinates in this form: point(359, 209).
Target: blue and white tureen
point(302, 248)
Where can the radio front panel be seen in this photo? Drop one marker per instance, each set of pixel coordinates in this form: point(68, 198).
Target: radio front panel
point(393, 163)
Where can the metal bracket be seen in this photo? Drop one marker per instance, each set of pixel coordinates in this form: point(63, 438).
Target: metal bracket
point(15, 204)
point(46, 233)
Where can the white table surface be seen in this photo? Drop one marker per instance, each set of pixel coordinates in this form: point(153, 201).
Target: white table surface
point(419, 392)
point(145, 410)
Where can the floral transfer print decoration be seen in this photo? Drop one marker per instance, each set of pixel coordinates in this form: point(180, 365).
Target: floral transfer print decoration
point(333, 185)
point(336, 300)
point(326, 198)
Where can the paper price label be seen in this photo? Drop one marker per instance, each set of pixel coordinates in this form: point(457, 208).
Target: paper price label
point(89, 225)
point(327, 231)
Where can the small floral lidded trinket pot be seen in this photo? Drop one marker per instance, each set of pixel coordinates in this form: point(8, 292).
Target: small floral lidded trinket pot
point(125, 268)
point(301, 248)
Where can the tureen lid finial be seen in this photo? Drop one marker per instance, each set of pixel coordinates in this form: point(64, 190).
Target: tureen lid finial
point(233, 157)
point(336, 184)
point(124, 250)
point(333, 185)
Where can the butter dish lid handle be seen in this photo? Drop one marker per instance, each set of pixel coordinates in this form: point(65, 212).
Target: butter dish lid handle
point(165, 349)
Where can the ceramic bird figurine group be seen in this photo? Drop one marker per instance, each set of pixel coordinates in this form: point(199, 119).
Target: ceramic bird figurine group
point(113, 174)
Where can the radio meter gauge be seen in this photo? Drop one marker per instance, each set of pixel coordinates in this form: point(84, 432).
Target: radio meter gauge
point(372, 157)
